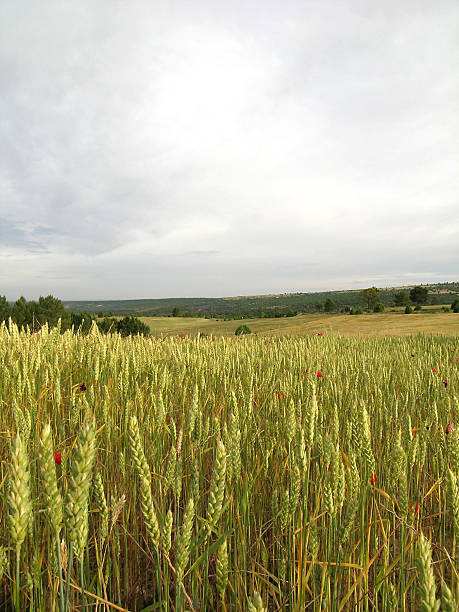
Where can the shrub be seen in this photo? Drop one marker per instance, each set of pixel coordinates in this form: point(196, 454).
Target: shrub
point(378, 307)
point(455, 306)
point(131, 326)
point(408, 309)
point(418, 307)
point(242, 329)
point(107, 325)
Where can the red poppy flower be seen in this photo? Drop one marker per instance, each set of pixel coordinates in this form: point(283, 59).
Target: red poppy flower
point(281, 396)
point(373, 479)
point(416, 509)
point(58, 458)
point(255, 401)
point(304, 372)
point(445, 382)
point(449, 428)
point(409, 509)
point(83, 387)
point(434, 369)
point(319, 374)
point(320, 333)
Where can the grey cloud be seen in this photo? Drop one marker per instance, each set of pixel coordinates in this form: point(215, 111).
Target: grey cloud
point(204, 253)
point(220, 149)
point(32, 240)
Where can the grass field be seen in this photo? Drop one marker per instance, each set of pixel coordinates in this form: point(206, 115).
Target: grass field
point(384, 324)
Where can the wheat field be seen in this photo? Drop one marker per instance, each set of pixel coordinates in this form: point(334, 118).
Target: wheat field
point(259, 473)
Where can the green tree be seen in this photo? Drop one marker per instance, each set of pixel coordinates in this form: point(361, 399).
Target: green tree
point(379, 307)
point(418, 295)
point(369, 296)
point(22, 312)
point(50, 310)
point(455, 305)
point(176, 311)
point(35, 314)
point(5, 309)
point(242, 329)
point(408, 309)
point(329, 305)
point(401, 299)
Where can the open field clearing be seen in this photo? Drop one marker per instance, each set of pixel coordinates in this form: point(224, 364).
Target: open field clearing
point(384, 324)
point(259, 473)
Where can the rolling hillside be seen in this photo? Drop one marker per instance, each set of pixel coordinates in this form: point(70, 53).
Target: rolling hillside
point(446, 293)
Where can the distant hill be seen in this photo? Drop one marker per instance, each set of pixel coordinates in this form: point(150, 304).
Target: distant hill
point(445, 292)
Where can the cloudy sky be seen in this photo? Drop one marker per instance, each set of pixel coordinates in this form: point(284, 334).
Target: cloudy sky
point(159, 148)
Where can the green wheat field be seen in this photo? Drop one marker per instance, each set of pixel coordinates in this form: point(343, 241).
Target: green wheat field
point(219, 473)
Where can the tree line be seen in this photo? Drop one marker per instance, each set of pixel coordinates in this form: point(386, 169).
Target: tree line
point(371, 298)
point(50, 310)
point(417, 297)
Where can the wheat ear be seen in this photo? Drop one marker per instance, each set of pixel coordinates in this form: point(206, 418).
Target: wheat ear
point(222, 568)
point(426, 577)
point(20, 505)
point(217, 489)
point(76, 504)
point(183, 541)
point(448, 603)
point(143, 471)
point(52, 495)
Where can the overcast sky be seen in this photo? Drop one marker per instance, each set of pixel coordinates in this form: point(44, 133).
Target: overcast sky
point(160, 148)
